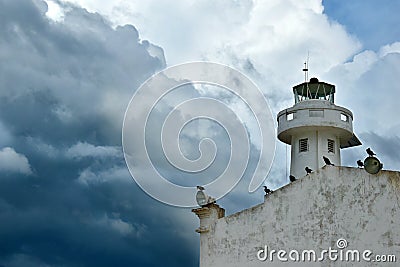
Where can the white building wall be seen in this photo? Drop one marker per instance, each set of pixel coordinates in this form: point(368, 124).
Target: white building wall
point(312, 213)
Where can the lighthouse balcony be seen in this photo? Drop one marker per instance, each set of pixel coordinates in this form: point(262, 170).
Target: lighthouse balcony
point(316, 114)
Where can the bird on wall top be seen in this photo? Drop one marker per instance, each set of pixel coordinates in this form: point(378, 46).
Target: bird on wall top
point(308, 170)
point(200, 188)
point(327, 161)
point(267, 190)
point(292, 178)
point(360, 164)
point(370, 152)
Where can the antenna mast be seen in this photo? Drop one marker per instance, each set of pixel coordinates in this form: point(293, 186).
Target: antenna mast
point(306, 67)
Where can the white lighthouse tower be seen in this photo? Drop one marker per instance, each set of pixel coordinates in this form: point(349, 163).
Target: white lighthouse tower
point(315, 127)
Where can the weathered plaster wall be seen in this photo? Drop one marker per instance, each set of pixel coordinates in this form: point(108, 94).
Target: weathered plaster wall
point(312, 213)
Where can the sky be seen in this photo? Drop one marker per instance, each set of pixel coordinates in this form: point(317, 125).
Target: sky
point(69, 67)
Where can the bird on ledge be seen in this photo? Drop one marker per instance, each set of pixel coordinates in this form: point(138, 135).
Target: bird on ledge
point(267, 190)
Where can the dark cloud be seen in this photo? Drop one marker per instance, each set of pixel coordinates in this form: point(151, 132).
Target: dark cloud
point(68, 72)
point(63, 89)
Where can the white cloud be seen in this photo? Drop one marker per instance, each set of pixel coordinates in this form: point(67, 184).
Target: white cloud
point(274, 35)
point(368, 85)
point(389, 48)
point(54, 11)
point(11, 161)
point(81, 150)
point(270, 40)
point(90, 177)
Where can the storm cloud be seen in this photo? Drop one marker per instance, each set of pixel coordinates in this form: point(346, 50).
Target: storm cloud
point(66, 196)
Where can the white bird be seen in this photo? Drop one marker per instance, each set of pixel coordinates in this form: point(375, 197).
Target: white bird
point(200, 188)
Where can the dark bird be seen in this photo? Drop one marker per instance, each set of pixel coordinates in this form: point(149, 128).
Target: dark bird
point(327, 161)
point(267, 190)
point(199, 187)
point(360, 164)
point(370, 152)
point(292, 178)
point(308, 170)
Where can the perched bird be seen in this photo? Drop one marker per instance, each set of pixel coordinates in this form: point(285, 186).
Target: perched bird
point(327, 161)
point(292, 178)
point(199, 187)
point(370, 152)
point(308, 170)
point(267, 190)
point(360, 164)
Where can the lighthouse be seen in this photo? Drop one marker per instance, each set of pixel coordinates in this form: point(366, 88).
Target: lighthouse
point(315, 127)
point(312, 214)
